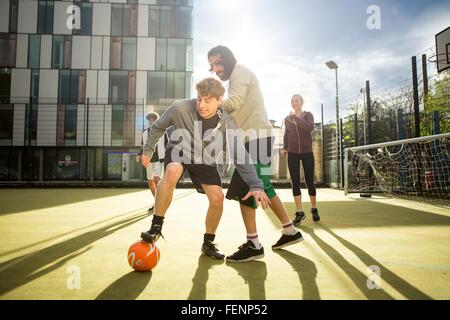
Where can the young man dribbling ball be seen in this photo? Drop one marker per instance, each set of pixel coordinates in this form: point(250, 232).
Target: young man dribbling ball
point(199, 123)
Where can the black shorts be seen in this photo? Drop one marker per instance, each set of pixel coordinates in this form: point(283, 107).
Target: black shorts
point(239, 188)
point(199, 173)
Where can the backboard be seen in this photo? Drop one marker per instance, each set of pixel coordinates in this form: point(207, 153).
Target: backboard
point(443, 50)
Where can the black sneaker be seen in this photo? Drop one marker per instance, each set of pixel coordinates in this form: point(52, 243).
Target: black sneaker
point(209, 248)
point(153, 234)
point(246, 252)
point(299, 217)
point(315, 214)
point(287, 240)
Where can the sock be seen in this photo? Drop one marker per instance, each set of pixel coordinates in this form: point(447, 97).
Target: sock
point(253, 237)
point(314, 210)
point(209, 237)
point(157, 220)
point(288, 229)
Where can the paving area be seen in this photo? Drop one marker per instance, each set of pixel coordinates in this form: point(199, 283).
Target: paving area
point(72, 244)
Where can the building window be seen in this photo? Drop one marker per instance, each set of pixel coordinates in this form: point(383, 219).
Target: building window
point(61, 52)
point(184, 22)
point(187, 3)
point(164, 87)
point(70, 125)
point(86, 19)
point(123, 53)
point(118, 87)
point(67, 164)
point(72, 86)
point(30, 164)
point(166, 22)
point(115, 52)
point(167, 2)
point(161, 54)
point(8, 164)
point(13, 13)
point(175, 85)
point(156, 86)
point(50, 164)
point(34, 85)
point(34, 51)
point(7, 50)
point(129, 53)
point(5, 85)
point(117, 119)
point(176, 55)
point(171, 54)
point(124, 19)
point(6, 124)
point(45, 17)
point(153, 25)
point(170, 21)
point(31, 111)
point(189, 56)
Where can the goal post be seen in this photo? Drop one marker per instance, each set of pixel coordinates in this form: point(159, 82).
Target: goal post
point(412, 168)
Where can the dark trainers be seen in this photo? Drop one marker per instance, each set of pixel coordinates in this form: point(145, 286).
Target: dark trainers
point(210, 249)
point(246, 252)
point(287, 240)
point(315, 214)
point(299, 217)
point(153, 234)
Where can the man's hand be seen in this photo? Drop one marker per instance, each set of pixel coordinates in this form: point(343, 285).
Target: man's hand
point(260, 196)
point(138, 159)
point(283, 152)
point(145, 160)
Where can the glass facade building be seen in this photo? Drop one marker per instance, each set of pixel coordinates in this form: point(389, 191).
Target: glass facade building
point(77, 79)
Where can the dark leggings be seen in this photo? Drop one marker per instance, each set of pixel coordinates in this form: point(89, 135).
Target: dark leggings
point(308, 168)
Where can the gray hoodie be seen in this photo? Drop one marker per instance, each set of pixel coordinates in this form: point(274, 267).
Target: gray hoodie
point(183, 115)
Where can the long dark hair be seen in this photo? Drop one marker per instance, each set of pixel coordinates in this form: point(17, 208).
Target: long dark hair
point(227, 59)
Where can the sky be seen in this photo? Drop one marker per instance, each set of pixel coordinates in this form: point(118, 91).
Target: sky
point(287, 42)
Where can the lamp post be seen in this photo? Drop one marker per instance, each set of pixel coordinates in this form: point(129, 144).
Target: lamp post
point(363, 91)
point(333, 65)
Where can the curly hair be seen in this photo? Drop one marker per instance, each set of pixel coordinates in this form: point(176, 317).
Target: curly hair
point(153, 115)
point(210, 87)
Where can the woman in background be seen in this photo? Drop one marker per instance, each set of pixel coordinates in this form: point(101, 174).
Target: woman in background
point(298, 146)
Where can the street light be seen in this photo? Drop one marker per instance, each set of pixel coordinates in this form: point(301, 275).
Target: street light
point(363, 91)
point(333, 65)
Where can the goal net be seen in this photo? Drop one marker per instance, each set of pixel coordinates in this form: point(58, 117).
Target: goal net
point(416, 168)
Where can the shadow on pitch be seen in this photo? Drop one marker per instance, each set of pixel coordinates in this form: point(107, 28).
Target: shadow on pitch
point(254, 274)
point(20, 200)
point(128, 287)
point(363, 213)
point(405, 288)
point(201, 276)
point(307, 273)
point(358, 277)
point(22, 270)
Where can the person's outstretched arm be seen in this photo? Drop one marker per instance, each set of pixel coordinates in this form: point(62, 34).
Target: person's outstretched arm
point(245, 168)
